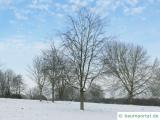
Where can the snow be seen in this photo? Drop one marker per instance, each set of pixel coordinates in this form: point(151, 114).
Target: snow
point(12, 109)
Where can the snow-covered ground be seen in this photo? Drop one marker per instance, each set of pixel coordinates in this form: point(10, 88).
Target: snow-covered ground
point(12, 109)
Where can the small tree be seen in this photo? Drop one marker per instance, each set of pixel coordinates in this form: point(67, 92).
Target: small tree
point(54, 67)
point(2, 83)
point(9, 75)
point(17, 85)
point(155, 83)
point(38, 74)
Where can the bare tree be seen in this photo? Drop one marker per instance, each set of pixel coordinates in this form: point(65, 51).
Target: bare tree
point(130, 65)
point(62, 81)
point(65, 78)
point(53, 67)
point(83, 40)
point(10, 83)
point(2, 83)
point(38, 74)
point(155, 83)
point(17, 85)
point(9, 75)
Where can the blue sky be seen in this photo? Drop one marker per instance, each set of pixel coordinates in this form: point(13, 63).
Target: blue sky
point(27, 26)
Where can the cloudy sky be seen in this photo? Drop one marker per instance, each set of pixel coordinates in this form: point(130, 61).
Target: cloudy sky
point(26, 26)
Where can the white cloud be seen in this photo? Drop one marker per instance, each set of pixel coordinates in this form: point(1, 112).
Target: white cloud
point(102, 7)
point(133, 2)
point(20, 16)
point(77, 4)
point(5, 2)
point(39, 6)
point(129, 7)
point(134, 11)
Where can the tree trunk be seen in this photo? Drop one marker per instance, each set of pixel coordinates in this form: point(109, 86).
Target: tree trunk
point(130, 97)
point(61, 94)
point(53, 92)
point(40, 94)
point(19, 91)
point(81, 99)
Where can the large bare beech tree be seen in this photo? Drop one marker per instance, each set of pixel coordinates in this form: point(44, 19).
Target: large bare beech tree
point(130, 65)
point(83, 40)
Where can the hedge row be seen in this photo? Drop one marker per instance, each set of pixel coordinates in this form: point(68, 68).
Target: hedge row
point(16, 96)
point(144, 102)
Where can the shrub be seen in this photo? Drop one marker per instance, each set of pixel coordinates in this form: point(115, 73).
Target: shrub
point(39, 97)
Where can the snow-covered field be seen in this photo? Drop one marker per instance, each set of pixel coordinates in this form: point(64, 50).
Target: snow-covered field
point(12, 109)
